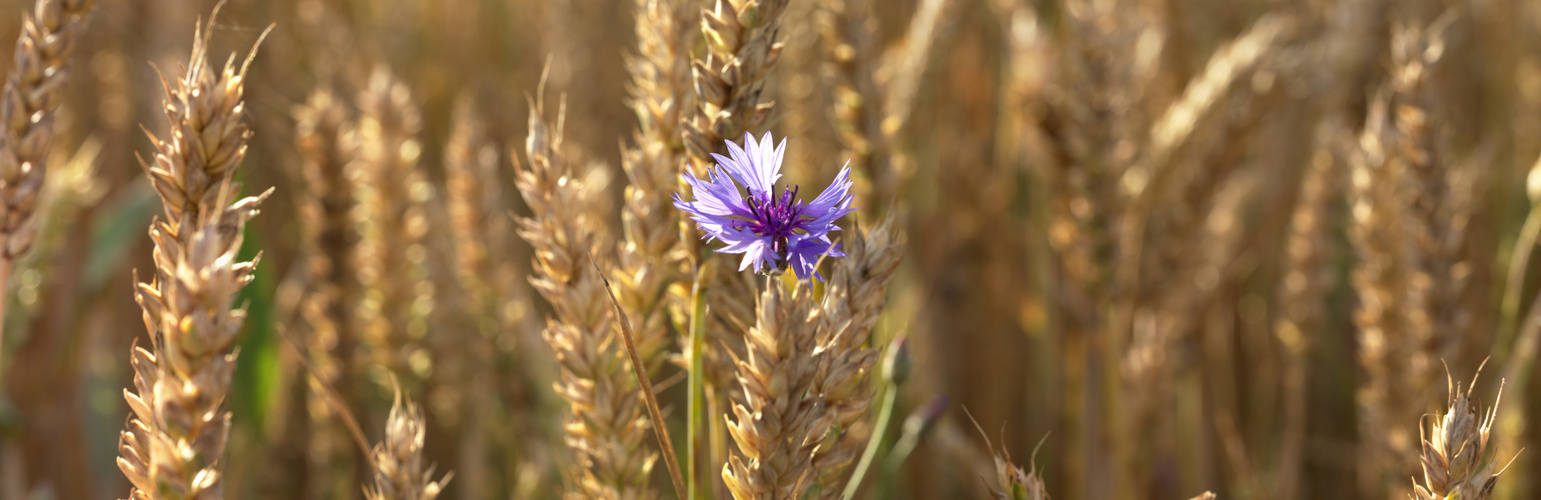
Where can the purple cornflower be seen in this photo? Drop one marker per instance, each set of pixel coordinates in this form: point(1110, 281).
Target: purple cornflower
point(771, 231)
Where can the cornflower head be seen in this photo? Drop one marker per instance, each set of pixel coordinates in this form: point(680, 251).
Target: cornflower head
point(771, 231)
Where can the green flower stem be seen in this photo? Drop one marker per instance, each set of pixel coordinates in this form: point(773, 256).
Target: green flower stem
point(890, 396)
point(697, 383)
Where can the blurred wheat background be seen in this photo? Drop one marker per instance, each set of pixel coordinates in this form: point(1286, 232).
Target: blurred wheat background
point(1154, 248)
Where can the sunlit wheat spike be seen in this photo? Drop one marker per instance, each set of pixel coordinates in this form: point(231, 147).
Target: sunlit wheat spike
point(605, 424)
point(476, 211)
point(400, 473)
point(852, 303)
point(650, 258)
point(742, 47)
point(1454, 453)
point(781, 419)
point(1438, 196)
point(176, 435)
point(1392, 358)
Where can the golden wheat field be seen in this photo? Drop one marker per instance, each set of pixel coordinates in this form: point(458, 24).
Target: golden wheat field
point(770, 249)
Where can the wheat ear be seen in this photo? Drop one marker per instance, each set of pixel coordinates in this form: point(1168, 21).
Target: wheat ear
point(392, 193)
point(398, 458)
point(741, 50)
point(854, 297)
point(781, 419)
point(477, 215)
point(850, 37)
point(650, 256)
point(605, 425)
point(176, 435)
point(331, 242)
point(1454, 455)
point(1392, 361)
point(32, 94)
point(1010, 482)
point(1436, 206)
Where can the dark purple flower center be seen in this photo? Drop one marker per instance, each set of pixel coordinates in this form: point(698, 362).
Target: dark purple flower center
point(777, 217)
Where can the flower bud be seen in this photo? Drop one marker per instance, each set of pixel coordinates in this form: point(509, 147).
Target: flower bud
point(896, 366)
point(919, 422)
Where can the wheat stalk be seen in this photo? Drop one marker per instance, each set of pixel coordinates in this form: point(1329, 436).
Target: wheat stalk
point(1307, 279)
point(399, 472)
point(32, 95)
point(476, 211)
point(392, 193)
point(176, 435)
point(605, 425)
point(1391, 359)
point(1437, 209)
point(781, 420)
point(331, 242)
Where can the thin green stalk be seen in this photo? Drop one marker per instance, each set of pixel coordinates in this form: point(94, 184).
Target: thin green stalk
point(885, 415)
point(901, 452)
point(895, 459)
point(1514, 285)
point(697, 384)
